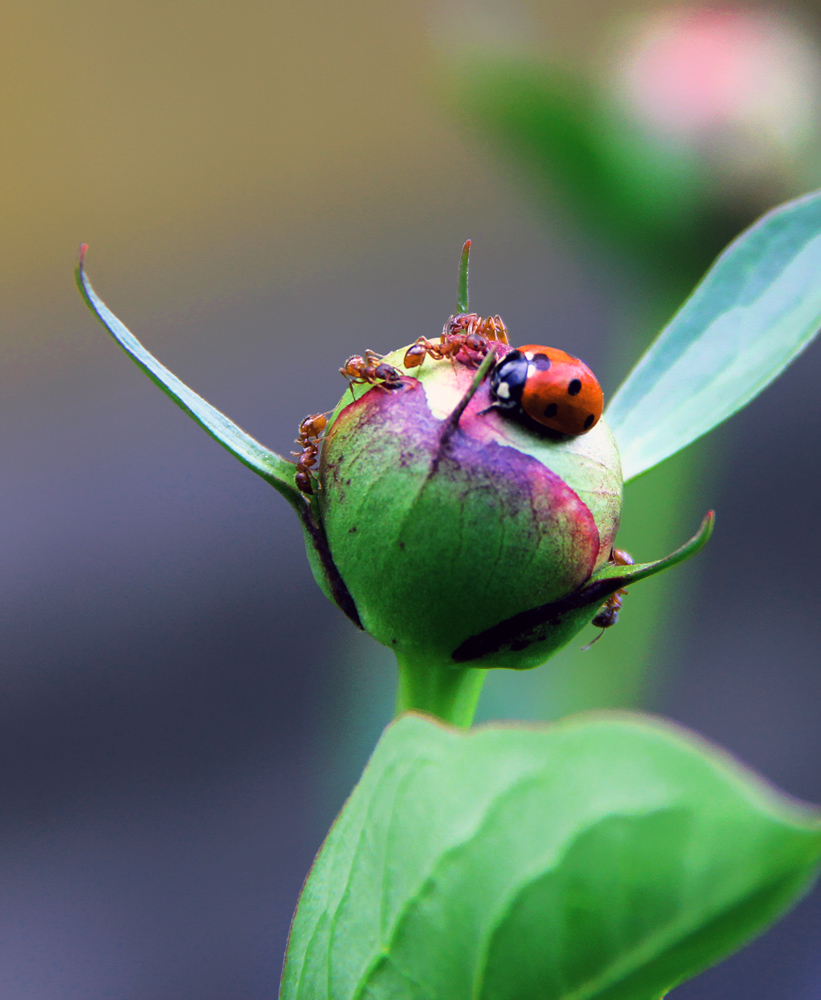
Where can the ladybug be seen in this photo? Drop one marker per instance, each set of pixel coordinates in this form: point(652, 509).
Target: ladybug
point(550, 387)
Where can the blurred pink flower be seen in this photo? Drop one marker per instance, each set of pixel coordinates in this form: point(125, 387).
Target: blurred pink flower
point(742, 87)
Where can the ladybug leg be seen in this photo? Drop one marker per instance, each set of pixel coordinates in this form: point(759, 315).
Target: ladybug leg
point(487, 409)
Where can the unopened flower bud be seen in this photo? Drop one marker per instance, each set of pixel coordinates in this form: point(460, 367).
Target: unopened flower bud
point(446, 524)
point(464, 517)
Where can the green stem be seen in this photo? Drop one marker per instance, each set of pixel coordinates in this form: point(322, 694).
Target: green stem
point(449, 692)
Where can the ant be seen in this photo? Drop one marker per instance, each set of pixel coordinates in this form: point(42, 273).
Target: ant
point(491, 327)
point(371, 369)
point(465, 332)
point(608, 615)
point(310, 432)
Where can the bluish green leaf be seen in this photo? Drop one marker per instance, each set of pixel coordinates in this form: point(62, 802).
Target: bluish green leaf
point(606, 857)
point(273, 468)
point(758, 307)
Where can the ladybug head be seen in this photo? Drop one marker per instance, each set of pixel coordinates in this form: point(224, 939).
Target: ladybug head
point(547, 386)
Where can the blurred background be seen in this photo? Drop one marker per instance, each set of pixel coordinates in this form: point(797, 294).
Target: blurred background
point(267, 188)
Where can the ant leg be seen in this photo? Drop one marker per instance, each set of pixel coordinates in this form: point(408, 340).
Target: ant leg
point(592, 641)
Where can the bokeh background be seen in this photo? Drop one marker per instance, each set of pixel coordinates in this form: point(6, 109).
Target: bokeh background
point(267, 188)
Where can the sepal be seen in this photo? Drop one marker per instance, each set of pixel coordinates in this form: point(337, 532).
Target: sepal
point(545, 629)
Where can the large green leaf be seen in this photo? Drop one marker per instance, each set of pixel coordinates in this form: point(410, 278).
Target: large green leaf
point(274, 469)
point(601, 858)
point(758, 307)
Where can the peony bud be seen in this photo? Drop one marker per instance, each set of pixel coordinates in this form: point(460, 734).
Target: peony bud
point(464, 517)
point(444, 524)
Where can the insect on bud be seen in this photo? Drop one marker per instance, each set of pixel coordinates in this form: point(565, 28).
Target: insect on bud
point(450, 513)
point(460, 504)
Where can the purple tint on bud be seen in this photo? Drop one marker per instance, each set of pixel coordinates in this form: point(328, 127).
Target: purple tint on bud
point(442, 528)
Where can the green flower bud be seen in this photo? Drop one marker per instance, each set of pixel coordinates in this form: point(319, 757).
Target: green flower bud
point(444, 521)
point(446, 524)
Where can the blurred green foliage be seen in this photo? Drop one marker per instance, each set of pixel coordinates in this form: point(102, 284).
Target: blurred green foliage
point(650, 200)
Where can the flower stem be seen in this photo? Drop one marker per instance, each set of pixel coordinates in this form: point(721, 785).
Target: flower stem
point(449, 692)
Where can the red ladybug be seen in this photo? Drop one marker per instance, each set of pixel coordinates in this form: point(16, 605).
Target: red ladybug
point(545, 384)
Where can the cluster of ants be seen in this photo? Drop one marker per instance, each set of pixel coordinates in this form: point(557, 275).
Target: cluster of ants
point(465, 337)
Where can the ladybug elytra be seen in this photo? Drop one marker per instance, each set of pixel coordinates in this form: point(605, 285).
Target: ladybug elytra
point(550, 387)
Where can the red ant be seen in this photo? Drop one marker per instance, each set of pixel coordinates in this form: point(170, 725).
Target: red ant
point(310, 432)
point(371, 369)
point(608, 615)
point(465, 332)
point(491, 327)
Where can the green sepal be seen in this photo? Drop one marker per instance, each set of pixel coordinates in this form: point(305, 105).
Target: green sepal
point(462, 300)
point(623, 576)
point(605, 857)
point(549, 627)
point(273, 468)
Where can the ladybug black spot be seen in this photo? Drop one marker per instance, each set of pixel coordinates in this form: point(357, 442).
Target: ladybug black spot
point(589, 422)
point(541, 362)
point(575, 387)
point(551, 410)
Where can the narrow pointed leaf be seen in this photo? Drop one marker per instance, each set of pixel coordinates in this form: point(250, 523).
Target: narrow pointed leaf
point(273, 468)
point(758, 307)
point(607, 857)
point(561, 620)
point(626, 575)
point(462, 298)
